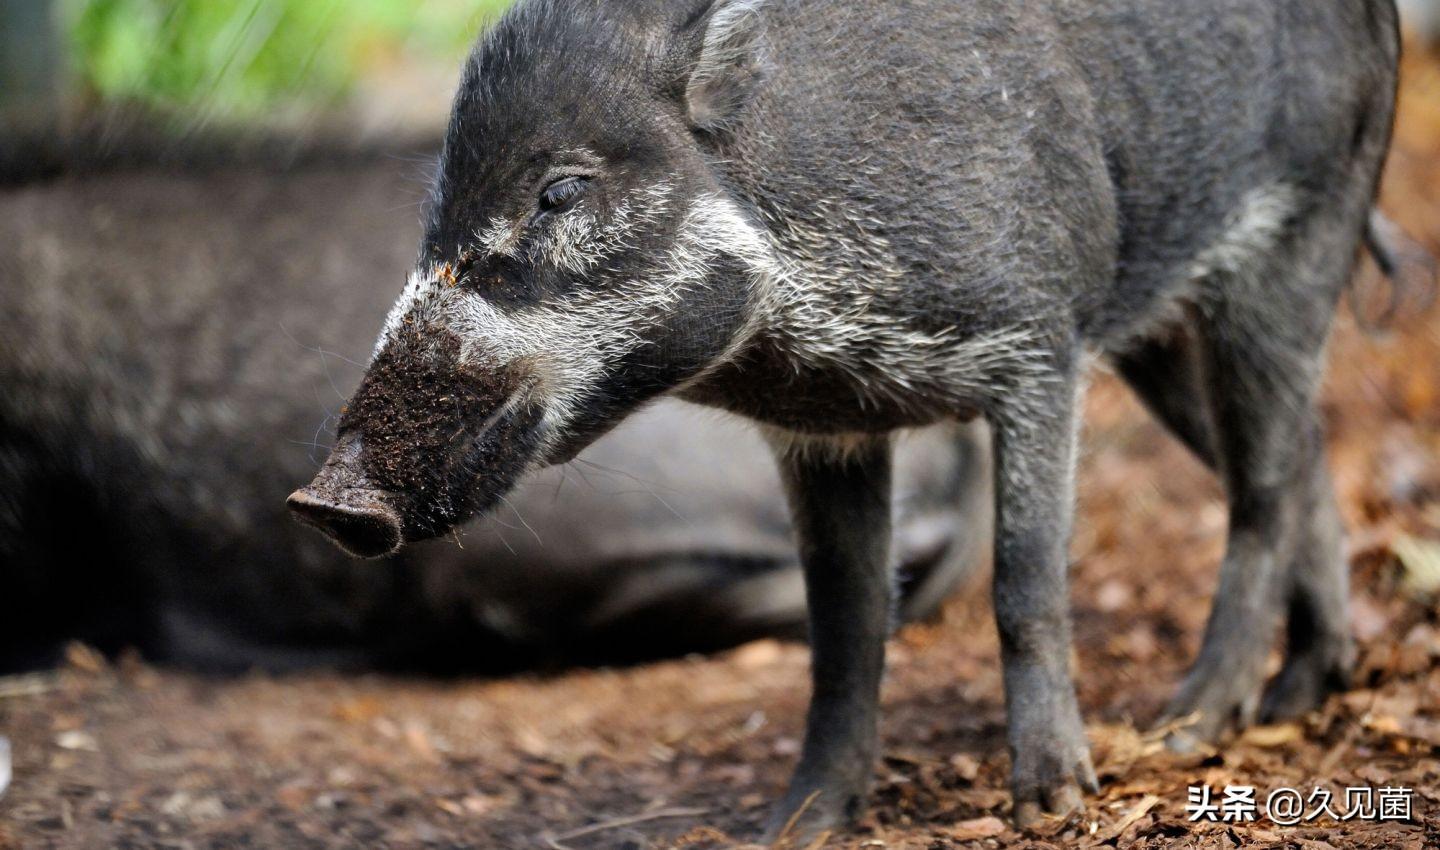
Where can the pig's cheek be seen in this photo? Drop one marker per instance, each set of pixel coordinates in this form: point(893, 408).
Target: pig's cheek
point(561, 381)
point(480, 475)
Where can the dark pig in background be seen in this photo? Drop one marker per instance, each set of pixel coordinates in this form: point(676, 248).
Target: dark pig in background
point(171, 339)
point(841, 219)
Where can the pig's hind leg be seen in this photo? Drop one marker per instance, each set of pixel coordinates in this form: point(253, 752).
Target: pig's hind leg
point(1262, 328)
point(1165, 373)
point(1319, 649)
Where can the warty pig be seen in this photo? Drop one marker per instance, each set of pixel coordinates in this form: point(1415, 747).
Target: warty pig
point(840, 219)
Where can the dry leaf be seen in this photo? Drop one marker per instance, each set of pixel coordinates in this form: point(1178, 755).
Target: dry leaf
point(965, 766)
point(1273, 736)
point(419, 741)
point(972, 830)
point(361, 710)
point(84, 658)
point(1383, 723)
point(77, 740)
point(1142, 808)
point(757, 654)
point(1420, 565)
point(295, 796)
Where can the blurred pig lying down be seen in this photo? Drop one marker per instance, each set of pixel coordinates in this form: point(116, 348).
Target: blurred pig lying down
point(165, 362)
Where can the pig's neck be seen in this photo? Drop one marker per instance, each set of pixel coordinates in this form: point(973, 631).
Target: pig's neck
point(830, 344)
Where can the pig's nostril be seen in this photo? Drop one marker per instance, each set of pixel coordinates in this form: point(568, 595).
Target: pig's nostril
point(365, 527)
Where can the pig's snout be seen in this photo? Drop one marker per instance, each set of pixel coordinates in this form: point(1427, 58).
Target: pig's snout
point(347, 508)
point(358, 522)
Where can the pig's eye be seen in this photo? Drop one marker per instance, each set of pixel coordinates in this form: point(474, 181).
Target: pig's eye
point(562, 193)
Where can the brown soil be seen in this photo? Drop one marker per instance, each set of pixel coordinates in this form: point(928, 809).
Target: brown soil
point(687, 753)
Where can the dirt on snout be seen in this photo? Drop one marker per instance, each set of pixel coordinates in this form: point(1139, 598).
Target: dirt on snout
point(686, 754)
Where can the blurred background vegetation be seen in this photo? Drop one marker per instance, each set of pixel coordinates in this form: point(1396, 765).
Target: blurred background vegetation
point(219, 64)
point(250, 54)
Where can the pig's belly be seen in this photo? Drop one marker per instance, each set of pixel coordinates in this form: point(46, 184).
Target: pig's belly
point(771, 388)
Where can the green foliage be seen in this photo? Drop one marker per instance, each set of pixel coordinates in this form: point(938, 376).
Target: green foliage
point(245, 55)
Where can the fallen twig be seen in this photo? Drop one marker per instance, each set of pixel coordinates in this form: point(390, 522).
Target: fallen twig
point(27, 685)
point(556, 841)
point(1148, 802)
point(794, 819)
point(4, 764)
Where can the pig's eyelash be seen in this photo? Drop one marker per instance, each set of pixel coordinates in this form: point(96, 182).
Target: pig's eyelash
point(562, 193)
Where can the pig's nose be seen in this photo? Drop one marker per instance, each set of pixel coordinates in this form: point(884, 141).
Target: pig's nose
point(360, 522)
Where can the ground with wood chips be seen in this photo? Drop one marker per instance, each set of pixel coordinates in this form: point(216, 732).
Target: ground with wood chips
point(686, 754)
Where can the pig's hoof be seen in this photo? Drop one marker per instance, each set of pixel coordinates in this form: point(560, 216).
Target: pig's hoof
point(1058, 802)
point(1214, 700)
point(807, 814)
point(1049, 780)
point(1307, 678)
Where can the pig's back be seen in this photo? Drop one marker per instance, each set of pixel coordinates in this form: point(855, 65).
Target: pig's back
point(960, 140)
point(1205, 104)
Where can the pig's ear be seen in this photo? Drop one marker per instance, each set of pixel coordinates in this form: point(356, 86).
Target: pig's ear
point(724, 43)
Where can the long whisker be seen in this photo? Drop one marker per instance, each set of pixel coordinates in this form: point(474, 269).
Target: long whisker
point(528, 528)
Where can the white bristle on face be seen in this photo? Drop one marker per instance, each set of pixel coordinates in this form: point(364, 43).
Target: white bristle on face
point(568, 346)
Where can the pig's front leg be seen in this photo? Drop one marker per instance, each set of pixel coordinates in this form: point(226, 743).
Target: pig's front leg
point(1034, 489)
point(840, 499)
